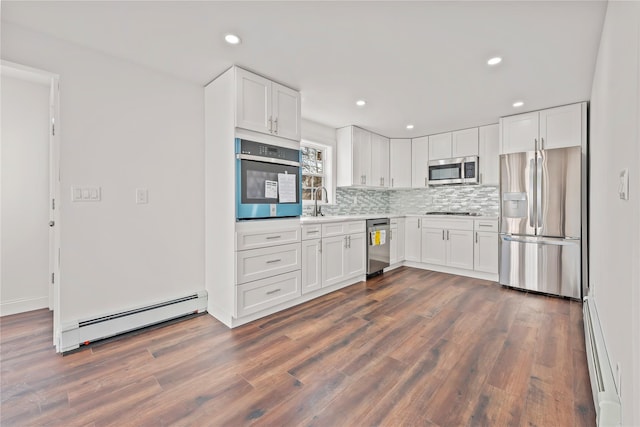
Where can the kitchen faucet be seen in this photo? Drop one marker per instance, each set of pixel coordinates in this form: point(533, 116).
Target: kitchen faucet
point(318, 210)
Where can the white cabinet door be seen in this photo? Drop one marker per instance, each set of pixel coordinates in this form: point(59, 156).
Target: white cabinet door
point(460, 248)
point(286, 112)
point(393, 244)
point(400, 163)
point(519, 133)
point(440, 146)
point(434, 246)
point(333, 259)
point(356, 255)
point(361, 157)
point(420, 162)
point(253, 104)
point(379, 161)
point(412, 239)
point(311, 262)
point(561, 126)
point(488, 153)
point(485, 252)
point(400, 239)
point(464, 143)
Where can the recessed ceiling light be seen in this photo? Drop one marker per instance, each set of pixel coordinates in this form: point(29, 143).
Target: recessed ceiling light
point(361, 102)
point(232, 39)
point(409, 127)
point(518, 104)
point(494, 61)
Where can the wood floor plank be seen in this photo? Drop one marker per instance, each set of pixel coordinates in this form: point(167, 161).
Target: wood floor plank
point(409, 347)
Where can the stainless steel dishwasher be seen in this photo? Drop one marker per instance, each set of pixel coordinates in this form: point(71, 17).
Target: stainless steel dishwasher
point(378, 236)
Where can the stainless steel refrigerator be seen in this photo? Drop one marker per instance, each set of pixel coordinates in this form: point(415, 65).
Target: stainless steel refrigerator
point(540, 226)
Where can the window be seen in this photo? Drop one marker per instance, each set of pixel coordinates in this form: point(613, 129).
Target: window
point(313, 170)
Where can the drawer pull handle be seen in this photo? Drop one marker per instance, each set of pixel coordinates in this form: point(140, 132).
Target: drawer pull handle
point(273, 237)
point(273, 261)
point(485, 225)
point(273, 291)
point(312, 232)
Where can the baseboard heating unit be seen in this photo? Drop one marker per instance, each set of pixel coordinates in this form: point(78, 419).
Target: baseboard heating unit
point(605, 395)
point(73, 334)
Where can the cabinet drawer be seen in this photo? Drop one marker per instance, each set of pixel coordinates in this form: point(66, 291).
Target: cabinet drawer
point(264, 238)
point(340, 228)
point(486, 225)
point(448, 224)
point(262, 294)
point(311, 231)
point(260, 263)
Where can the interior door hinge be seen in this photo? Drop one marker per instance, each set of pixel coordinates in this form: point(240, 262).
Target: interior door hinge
point(53, 278)
point(53, 204)
point(53, 129)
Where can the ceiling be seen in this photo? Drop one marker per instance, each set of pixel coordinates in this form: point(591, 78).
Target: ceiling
point(418, 62)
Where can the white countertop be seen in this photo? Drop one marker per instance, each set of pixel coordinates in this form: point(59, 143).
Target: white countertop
point(337, 218)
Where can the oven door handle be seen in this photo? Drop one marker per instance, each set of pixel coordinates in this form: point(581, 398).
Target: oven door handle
point(267, 160)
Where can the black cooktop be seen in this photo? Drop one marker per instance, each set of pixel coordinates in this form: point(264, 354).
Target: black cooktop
point(453, 213)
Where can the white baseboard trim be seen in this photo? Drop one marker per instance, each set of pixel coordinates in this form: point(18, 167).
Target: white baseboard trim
point(458, 271)
point(23, 305)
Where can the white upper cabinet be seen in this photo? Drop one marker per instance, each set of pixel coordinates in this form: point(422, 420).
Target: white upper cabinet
point(519, 133)
point(545, 129)
point(363, 158)
point(399, 161)
point(440, 146)
point(420, 162)
point(561, 126)
point(266, 107)
point(461, 143)
point(488, 152)
point(464, 143)
point(286, 112)
point(253, 107)
point(379, 161)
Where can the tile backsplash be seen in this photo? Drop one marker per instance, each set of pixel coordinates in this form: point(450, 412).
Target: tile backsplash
point(467, 198)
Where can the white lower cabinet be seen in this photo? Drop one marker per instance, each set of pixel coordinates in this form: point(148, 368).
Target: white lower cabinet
point(333, 259)
point(412, 239)
point(396, 241)
point(344, 252)
point(460, 249)
point(311, 265)
point(262, 294)
point(486, 251)
point(356, 255)
point(448, 243)
point(434, 248)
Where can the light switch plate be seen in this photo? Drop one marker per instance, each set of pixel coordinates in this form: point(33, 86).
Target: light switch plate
point(86, 194)
point(142, 196)
point(623, 185)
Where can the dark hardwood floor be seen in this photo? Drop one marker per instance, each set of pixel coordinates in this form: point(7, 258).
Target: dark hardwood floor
point(412, 348)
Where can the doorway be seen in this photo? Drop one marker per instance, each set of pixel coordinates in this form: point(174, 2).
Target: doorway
point(29, 181)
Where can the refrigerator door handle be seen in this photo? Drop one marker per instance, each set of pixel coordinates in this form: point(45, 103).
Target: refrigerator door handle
point(539, 190)
point(531, 193)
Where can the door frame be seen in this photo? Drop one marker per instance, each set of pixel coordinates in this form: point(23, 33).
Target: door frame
point(24, 72)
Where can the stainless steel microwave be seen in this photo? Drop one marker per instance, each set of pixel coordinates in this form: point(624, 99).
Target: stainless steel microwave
point(461, 170)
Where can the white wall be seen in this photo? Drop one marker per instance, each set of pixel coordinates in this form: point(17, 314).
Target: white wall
point(614, 223)
point(123, 127)
point(24, 144)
